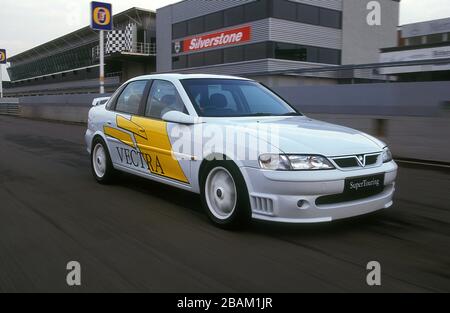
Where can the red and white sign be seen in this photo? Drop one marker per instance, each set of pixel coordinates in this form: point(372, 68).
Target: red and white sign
point(225, 38)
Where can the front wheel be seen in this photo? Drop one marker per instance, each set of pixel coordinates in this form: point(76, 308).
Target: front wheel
point(101, 164)
point(224, 195)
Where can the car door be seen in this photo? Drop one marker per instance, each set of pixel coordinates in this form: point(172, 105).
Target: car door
point(120, 130)
point(157, 147)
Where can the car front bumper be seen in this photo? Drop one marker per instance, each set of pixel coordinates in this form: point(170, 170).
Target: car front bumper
point(275, 195)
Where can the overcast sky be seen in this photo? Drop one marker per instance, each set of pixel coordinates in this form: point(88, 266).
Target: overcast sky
point(27, 23)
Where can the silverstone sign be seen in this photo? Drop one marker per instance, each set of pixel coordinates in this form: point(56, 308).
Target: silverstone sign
point(218, 39)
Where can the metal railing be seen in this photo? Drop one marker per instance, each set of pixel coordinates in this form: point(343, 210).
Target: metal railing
point(9, 109)
point(114, 74)
point(144, 48)
point(141, 48)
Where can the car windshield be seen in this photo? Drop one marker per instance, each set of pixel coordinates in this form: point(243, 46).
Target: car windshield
point(234, 98)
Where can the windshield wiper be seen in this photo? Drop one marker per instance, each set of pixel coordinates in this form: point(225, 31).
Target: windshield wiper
point(291, 114)
point(273, 114)
point(262, 114)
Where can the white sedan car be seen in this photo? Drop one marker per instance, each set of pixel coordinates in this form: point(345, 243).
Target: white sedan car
point(244, 149)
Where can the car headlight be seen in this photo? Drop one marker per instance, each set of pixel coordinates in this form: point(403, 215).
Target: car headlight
point(277, 162)
point(387, 155)
point(283, 162)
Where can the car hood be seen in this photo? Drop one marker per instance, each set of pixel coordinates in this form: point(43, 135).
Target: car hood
point(301, 134)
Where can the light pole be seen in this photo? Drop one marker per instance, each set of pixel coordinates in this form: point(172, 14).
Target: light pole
point(102, 62)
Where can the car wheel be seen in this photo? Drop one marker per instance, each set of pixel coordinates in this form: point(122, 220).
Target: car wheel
point(101, 164)
point(224, 195)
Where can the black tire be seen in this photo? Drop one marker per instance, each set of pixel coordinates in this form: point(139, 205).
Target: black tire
point(110, 172)
point(241, 215)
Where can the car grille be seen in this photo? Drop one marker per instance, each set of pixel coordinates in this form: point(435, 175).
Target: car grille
point(372, 159)
point(352, 161)
point(346, 197)
point(347, 162)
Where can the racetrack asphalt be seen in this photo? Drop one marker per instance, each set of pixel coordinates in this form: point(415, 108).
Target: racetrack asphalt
point(138, 235)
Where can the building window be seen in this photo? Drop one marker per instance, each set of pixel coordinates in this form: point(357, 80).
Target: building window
point(255, 51)
point(179, 62)
point(195, 60)
point(256, 10)
point(214, 21)
point(179, 30)
point(435, 38)
point(312, 54)
point(213, 57)
point(308, 14)
point(330, 18)
point(235, 54)
point(414, 41)
point(329, 56)
point(196, 26)
point(286, 10)
point(287, 51)
point(234, 16)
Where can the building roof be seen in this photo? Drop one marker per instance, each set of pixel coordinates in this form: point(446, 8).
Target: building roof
point(71, 40)
point(426, 28)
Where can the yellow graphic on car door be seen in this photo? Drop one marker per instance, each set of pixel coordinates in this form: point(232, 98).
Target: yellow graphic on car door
point(119, 135)
point(151, 146)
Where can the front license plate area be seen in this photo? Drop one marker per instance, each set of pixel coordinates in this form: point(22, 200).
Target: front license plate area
point(364, 186)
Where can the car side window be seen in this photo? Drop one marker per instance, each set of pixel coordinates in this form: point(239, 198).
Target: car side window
point(130, 98)
point(163, 97)
point(112, 102)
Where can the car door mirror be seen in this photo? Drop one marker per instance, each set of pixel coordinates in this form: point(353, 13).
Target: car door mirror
point(180, 118)
point(100, 101)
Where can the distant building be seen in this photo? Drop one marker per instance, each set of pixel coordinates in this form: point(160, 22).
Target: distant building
point(259, 39)
point(420, 41)
point(267, 37)
point(70, 64)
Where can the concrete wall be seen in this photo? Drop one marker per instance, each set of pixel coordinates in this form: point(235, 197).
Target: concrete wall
point(387, 99)
point(68, 108)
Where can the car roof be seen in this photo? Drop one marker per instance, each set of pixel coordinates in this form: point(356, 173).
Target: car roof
point(176, 76)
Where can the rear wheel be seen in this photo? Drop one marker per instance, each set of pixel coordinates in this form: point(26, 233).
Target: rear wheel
point(224, 195)
point(101, 164)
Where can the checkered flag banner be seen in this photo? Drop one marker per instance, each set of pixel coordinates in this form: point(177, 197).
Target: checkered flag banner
point(120, 40)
